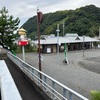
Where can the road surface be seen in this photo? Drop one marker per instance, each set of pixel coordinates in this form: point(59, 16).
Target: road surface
point(74, 75)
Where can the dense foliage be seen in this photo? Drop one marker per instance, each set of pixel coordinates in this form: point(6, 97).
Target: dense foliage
point(8, 25)
point(84, 21)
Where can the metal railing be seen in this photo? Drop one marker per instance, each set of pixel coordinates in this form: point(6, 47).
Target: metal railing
point(50, 86)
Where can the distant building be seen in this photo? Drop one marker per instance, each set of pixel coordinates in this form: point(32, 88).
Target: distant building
point(48, 44)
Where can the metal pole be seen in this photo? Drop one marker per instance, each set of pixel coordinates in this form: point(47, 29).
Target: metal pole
point(58, 44)
point(83, 45)
point(99, 32)
point(23, 53)
point(65, 51)
point(63, 27)
point(39, 47)
point(38, 28)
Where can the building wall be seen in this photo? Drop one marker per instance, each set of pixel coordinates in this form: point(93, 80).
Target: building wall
point(52, 48)
point(46, 49)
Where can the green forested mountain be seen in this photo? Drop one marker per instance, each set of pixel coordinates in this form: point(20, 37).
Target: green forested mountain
point(84, 21)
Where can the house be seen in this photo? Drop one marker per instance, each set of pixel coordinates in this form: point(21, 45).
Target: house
point(49, 43)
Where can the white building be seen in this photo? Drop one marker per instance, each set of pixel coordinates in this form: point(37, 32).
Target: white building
point(74, 42)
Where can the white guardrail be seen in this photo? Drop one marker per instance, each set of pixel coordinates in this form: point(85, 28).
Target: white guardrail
point(50, 86)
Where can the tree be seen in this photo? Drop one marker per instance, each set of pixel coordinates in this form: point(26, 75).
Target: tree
point(83, 21)
point(8, 25)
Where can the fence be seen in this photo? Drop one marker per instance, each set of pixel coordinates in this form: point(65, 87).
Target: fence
point(50, 86)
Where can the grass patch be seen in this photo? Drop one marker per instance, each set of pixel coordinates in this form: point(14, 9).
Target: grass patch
point(95, 95)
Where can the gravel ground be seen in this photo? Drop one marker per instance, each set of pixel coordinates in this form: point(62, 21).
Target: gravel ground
point(80, 74)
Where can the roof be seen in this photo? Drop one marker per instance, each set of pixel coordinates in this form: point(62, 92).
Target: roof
point(70, 39)
point(71, 35)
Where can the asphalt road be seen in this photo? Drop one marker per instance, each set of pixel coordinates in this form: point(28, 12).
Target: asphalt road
point(81, 74)
point(26, 90)
point(91, 64)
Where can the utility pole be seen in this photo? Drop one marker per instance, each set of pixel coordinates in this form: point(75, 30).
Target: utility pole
point(99, 32)
point(58, 44)
point(39, 21)
point(63, 28)
point(83, 45)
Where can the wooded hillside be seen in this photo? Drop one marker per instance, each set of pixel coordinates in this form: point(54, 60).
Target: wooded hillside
point(84, 21)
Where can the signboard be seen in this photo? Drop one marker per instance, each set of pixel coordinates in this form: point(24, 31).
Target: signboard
point(23, 43)
point(48, 50)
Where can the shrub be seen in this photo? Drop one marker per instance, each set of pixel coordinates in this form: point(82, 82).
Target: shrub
point(95, 95)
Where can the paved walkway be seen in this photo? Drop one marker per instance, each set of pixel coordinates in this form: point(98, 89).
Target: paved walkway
point(26, 90)
point(72, 75)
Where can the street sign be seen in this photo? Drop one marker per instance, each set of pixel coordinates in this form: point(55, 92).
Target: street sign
point(23, 43)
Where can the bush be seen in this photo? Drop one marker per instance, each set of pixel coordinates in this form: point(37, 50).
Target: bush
point(95, 95)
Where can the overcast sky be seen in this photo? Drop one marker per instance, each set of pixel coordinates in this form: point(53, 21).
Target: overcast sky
point(24, 9)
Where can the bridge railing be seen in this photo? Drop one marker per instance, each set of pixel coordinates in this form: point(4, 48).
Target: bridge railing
point(50, 86)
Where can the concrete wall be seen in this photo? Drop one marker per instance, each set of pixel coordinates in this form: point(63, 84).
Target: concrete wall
point(6, 83)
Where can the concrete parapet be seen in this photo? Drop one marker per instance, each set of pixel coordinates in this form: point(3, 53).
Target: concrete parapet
point(8, 88)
